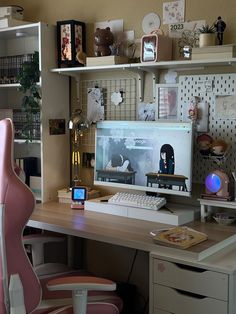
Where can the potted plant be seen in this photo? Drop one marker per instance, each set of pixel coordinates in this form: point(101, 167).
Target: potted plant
point(28, 79)
point(207, 35)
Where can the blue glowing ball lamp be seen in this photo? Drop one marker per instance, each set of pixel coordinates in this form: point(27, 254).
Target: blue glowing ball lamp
point(217, 183)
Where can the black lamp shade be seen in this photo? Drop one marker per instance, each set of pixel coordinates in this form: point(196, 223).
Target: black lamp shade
point(70, 42)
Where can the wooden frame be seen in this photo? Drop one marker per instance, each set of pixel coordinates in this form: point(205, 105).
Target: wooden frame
point(70, 42)
point(167, 101)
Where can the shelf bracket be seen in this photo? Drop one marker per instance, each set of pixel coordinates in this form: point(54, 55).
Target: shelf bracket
point(155, 80)
point(140, 81)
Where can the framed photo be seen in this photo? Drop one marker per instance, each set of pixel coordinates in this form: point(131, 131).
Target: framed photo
point(167, 101)
point(70, 42)
point(149, 48)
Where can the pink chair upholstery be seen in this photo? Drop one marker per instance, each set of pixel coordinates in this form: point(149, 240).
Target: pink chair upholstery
point(16, 205)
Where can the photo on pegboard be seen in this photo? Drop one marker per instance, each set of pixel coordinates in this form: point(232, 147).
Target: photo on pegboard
point(146, 111)
point(225, 107)
point(95, 104)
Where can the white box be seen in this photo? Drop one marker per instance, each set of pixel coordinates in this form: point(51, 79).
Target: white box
point(106, 60)
point(179, 216)
point(15, 12)
point(10, 22)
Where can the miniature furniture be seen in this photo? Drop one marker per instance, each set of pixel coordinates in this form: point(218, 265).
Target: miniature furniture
point(127, 177)
point(166, 179)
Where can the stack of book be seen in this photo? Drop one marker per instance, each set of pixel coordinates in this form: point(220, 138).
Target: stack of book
point(20, 120)
point(11, 15)
point(214, 52)
point(11, 66)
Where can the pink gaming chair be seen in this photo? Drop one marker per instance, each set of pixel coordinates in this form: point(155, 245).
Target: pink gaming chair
point(20, 289)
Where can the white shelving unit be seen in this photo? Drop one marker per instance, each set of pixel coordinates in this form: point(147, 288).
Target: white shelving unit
point(51, 150)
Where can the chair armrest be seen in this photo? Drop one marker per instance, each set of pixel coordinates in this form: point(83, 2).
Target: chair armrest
point(81, 283)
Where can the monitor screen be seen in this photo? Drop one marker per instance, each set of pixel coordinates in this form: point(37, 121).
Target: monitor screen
point(152, 156)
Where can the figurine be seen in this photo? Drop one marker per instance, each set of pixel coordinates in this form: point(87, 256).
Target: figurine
point(218, 147)
point(193, 109)
point(220, 27)
point(166, 163)
point(103, 39)
point(204, 142)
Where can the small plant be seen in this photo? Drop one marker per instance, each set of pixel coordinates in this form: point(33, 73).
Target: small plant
point(207, 29)
point(28, 79)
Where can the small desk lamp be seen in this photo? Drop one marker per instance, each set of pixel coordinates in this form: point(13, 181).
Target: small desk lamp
point(78, 123)
point(217, 183)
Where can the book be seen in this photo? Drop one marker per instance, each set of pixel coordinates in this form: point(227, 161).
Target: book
point(179, 237)
point(106, 60)
point(214, 52)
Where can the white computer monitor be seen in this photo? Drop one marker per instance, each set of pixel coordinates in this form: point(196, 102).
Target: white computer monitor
point(153, 156)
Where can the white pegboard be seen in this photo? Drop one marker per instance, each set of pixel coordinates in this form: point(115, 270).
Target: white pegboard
point(207, 87)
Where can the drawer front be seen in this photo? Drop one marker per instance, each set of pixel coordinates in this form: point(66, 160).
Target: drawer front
point(195, 280)
point(176, 302)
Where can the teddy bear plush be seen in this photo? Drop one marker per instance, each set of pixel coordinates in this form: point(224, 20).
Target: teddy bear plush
point(103, 39)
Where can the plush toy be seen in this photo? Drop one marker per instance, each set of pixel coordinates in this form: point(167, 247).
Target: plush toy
point(103, 39)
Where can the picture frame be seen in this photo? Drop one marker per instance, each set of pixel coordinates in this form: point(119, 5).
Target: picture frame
point(167, 101)
point(71, 41)
point(149, 48)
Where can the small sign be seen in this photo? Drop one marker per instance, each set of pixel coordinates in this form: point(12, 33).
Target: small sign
point(176, 30)
point(57, 126)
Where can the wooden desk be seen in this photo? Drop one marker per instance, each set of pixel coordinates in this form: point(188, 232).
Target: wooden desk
point(167, 179)
point(127, 232)
point(134, 233)
point(127, 177)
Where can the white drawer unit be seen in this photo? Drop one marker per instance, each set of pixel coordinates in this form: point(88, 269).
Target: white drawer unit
point(192, 279)
point(177, 288)
point(180, 302)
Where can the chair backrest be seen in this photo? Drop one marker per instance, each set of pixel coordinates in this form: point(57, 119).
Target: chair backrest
point(16, 205)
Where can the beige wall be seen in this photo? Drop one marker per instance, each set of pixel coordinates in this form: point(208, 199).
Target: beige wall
point(131, 11)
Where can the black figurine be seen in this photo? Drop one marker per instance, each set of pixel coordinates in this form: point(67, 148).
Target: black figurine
point(220, 27)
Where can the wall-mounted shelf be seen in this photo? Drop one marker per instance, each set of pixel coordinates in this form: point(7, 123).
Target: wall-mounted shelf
point(148, 66)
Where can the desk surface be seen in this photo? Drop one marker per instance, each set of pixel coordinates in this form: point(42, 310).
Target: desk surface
point(127, 232)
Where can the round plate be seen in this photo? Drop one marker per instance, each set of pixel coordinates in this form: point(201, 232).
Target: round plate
point(151, 22)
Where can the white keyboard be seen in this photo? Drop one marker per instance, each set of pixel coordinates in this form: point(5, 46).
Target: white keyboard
point(137, 200)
